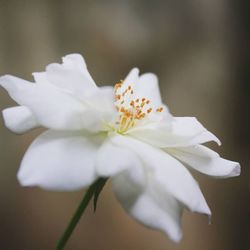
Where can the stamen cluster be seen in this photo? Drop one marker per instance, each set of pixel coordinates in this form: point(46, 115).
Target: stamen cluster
point(131, 109)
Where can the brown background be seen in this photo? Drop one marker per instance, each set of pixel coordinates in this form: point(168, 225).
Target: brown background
point(199, 50)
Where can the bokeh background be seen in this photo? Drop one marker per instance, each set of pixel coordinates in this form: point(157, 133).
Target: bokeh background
point(200, 51)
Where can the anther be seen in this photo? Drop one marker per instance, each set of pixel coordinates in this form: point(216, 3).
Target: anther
point(149, 110)
point(159, 109)
point(118, 97)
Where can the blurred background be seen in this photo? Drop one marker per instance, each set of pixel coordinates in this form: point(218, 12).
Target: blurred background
point(200, 51)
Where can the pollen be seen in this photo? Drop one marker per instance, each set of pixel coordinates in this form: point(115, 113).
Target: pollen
point(149, 110)
point(159, 110)
point(130, 109)
point(118, 97)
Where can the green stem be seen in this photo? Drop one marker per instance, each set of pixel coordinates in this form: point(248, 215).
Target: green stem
point(77, 215)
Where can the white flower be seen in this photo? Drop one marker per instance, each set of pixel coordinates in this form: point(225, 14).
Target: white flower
point(124, 132)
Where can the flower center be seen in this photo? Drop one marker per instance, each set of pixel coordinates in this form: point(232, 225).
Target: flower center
point(131, 109)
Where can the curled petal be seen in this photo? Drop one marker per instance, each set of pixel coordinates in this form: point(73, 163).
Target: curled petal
point(149, 205)
point(206, 161)
point(71, 76)
point(76, 61)
point(168, 173)
point(178, 132)
point(52, 107)
point(19, 119)
point(60, 161)
point(69, 80)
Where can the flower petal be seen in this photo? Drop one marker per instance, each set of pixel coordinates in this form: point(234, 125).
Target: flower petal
point(19, 119)
point(112, 160)
point(177, 132)
point(69, 80)
point(60, 161)
point(206, 161)
point(168, 172)
point(76, 61)
point(144, 86)
point(131, 79)
point(52, 108)
point(71, 76)
point(148, 87)
point(149, 205)
point(102, 103)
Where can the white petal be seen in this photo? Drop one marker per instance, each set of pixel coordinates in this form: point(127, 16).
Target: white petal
point(76, 61)
point(149, 205)
point(52, 108)
point(131, 79)
point(102, 102)
point(70, 80)
point(71, 76)
point(112, 160)
point(40, 77)
point(169, 173)
point(144, 86)
point(206, 161)
point(148, 87)
point(19, 119)
point(177, 132)
point(60, 161)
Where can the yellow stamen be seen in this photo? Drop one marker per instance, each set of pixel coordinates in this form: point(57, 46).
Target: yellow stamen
point(149, 110)
point(159, 109)
point(130, 109)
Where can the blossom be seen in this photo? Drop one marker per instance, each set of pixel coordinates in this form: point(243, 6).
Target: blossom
point(125, 133)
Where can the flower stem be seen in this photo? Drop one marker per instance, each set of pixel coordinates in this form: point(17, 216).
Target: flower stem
point(78, 213)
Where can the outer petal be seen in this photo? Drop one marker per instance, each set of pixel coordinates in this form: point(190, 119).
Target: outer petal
point(168, 173)
point(206, 161)
point(71, 76)
point(60, 161)
point(112, 160)
point(52, 108)
point(149, 205)
point(178, 132)
point(19, 119)
point(69, 80)
point(76, 61)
